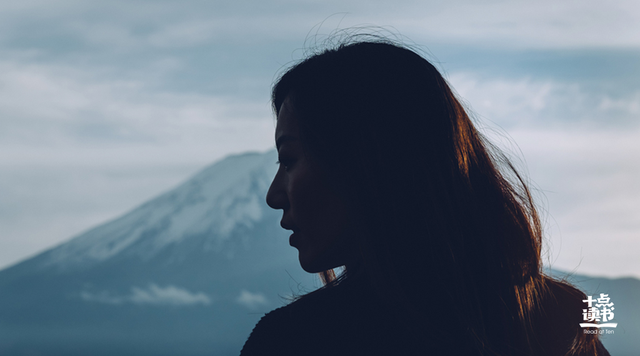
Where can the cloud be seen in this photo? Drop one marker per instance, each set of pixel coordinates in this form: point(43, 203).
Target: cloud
point(169, 295)
point(53, 104)
point(251, 300)
point(588, 195)
point(102, 297)
point(513, 23)
point(147, 24)
point(626, 105)
point(529, 102)
point(152, 295)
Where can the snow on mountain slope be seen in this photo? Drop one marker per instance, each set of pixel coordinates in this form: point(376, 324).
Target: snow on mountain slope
point(225, 196)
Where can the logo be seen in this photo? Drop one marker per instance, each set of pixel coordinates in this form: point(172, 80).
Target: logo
point(600, 309)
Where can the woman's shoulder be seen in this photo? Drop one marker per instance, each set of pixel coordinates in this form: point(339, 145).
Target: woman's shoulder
point(293, 328)
point(269, 333)
point(339, 321)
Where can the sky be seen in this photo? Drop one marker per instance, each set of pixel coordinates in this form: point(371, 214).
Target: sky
point(105, 104)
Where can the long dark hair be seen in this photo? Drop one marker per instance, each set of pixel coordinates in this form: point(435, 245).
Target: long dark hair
point(451, 232)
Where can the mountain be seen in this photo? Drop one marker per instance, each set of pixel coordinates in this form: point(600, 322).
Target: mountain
point(187, 273)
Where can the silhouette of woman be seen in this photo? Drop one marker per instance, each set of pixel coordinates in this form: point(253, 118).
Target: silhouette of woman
point(382, 171)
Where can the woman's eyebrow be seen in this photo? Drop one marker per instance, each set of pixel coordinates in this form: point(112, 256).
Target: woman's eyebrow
point(284, 138)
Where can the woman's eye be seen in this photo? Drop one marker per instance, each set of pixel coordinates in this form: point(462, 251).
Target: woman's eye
point(283, 163)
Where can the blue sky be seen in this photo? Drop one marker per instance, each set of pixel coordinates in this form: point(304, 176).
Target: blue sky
point(106, 104)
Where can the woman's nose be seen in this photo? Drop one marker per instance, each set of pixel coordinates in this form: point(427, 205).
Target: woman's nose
point(276, 195)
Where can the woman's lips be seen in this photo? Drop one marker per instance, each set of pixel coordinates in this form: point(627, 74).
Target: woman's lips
point(293, 240)
point(287, 226)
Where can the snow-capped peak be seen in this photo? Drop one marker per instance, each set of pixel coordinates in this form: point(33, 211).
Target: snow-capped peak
point(217, 200)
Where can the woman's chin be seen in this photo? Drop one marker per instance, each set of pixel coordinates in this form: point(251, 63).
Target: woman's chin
point(308, 267)
point(308, 263)
point(312, 264)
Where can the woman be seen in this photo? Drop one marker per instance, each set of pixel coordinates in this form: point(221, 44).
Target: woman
point(382, 172)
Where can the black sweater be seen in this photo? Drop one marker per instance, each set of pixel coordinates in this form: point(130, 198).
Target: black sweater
point(337, 321)
point(345, 320)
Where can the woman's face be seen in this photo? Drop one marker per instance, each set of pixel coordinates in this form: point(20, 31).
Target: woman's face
point(316, 214)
